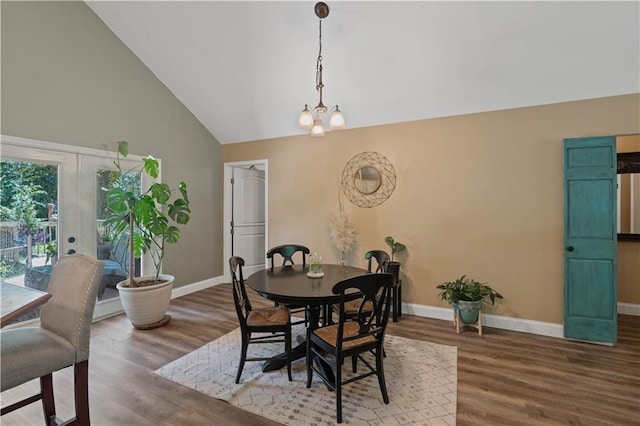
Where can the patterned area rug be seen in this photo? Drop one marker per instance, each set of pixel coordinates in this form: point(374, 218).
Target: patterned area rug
point(421, 380)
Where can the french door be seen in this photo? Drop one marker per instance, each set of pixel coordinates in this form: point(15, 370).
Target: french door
point(76, 211)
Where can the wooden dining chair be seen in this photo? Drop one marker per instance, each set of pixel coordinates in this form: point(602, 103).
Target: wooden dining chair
point(61, 340)
point(381, 259)
point(351, 338)
point(271, 324)
point(383, 265)
point(287, 252)
point(377, 261)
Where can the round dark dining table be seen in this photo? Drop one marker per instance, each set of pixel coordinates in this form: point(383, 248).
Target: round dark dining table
point(291, 285)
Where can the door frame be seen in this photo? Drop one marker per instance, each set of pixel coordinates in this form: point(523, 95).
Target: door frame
point(227, 214)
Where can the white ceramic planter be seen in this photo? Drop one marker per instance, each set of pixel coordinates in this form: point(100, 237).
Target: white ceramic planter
point(146, 305)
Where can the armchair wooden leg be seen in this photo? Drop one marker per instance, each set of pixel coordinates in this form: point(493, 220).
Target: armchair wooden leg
point(81, 390)
point(48, 402)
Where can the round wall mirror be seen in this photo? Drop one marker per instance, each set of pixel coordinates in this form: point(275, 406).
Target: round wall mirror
point(367, 180)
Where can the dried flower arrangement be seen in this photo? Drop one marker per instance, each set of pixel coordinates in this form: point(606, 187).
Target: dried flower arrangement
point(343, 233)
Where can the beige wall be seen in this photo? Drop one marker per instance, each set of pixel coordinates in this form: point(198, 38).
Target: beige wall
point(67, 78)
point(478, 194)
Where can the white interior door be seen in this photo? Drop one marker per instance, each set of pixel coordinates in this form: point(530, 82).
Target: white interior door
point(248, 217)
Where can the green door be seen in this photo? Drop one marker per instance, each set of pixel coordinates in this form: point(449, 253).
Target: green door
point(590, 239)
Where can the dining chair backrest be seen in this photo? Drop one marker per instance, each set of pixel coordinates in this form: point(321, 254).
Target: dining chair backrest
point(73, 286)
point(382, 259)
point(240, 299)
point(287, 251)
point(373, 311)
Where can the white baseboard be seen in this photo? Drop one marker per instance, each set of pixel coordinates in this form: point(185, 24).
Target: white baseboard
point(112, 307)
point(200, 285)
point(107, 308)
point(628, 308)
point(496, 321)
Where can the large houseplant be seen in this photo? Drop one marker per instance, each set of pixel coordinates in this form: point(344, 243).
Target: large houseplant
point(147, 219)
point(466, 295)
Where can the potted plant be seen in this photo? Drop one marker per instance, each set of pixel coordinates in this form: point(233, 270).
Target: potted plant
point(466, 296)
point(51, 251)
point(396, 247)
point(145, 219)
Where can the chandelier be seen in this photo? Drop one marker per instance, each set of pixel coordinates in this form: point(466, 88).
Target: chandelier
point(312, 119)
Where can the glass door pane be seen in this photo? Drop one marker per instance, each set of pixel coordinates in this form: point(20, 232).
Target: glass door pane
point(28, 220)
point(113, 250)
point(32, 219)
point(96, 176)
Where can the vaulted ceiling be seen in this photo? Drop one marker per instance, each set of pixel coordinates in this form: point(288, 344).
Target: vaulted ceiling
point(246, 69)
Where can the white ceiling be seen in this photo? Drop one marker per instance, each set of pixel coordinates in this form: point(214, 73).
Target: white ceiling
point(246, 69)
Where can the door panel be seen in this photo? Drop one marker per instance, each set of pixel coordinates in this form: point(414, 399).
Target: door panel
point(590, 205)
point(248, 218)
point(596, 221)
point(582, 271)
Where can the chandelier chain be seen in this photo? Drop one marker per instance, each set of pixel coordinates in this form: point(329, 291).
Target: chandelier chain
point(319, 84)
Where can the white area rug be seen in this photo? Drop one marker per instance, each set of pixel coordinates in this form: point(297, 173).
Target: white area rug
point(421, 380)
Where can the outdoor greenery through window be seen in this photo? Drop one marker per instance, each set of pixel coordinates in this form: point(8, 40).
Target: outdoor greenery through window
point(28, 217)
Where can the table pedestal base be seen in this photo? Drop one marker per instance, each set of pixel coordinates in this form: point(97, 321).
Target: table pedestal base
point(300, 351)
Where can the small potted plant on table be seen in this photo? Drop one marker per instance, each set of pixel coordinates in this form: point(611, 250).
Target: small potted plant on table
point(139, 216)
point(466, 296)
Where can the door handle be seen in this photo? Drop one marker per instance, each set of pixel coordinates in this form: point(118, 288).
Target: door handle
point(570, 248)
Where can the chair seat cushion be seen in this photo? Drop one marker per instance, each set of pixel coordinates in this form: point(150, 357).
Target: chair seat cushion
point(31, 352)
point(330, 335)
point(278, 315)
point(351, 307)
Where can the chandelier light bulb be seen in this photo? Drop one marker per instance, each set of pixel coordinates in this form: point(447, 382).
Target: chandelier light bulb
point(305, 121)
point(318, 128)
point(336, 122)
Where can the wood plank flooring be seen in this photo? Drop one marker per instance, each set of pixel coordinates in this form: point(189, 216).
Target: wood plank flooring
point(504, 378)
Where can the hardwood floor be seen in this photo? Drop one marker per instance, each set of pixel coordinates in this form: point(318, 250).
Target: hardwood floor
point(504, 378)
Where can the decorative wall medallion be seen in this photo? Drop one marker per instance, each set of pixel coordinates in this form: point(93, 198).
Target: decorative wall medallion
point(368, 179)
